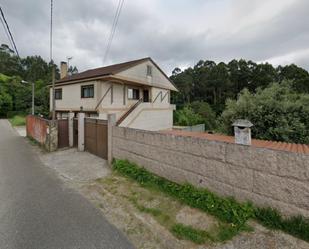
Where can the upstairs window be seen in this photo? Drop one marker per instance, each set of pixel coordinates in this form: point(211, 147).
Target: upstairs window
point(149, 70)
point(58, 93)
point(87, 91)
point(133, 93)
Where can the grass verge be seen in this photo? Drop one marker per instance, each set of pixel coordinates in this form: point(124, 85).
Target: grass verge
point(189, 233)
point(225, 209)
point(18, 120)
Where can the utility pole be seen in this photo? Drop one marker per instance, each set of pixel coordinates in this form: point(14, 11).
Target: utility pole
point(54, 100)
point(51, 59)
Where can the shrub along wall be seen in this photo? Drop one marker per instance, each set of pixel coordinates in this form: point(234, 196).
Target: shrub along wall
point(266, 177)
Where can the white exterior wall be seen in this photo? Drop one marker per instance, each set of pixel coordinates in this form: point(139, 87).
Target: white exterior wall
point(71, 97)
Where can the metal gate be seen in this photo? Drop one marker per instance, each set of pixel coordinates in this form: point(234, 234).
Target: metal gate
point(63, 133)
point(96, 137)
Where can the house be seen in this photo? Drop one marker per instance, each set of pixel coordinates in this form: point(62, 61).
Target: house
point(138, 92)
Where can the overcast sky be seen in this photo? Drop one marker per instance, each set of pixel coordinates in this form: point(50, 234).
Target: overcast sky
point(175, 33)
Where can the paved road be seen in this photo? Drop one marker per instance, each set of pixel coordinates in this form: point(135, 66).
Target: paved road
point(38, 212)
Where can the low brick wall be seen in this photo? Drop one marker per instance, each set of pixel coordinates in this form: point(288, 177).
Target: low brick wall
point(43, 131)
point(266, 177)
point(37, 128)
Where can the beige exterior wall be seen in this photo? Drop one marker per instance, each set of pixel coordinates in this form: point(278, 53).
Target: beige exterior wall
point(71, 97)
point(266, 177)
point(155, 116)
point(139, 72)
point(149, 116)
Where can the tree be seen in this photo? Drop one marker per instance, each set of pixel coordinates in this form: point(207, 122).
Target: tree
point(9, 62)
point(187, 117)
point(72, 70)
point(207, 114)
point(278, 113)
point(32, 69)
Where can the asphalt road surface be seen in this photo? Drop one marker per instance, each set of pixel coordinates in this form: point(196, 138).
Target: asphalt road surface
point(38, 212)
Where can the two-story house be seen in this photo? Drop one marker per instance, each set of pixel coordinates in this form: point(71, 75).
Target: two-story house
point(138, 92)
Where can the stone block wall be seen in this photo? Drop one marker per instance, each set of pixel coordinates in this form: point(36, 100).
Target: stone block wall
point(266, 177)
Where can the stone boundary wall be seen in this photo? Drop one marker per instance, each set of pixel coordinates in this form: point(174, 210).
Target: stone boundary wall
point(266, 177)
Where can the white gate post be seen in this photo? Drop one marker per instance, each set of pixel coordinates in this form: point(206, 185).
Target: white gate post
point(71, 132)
point(111, 121)
point(81, 131)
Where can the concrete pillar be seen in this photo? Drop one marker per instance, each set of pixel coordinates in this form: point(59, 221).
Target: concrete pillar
point(81, 131)
point(71, 130)
point(111, 121)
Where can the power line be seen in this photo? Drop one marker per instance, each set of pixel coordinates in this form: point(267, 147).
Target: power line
point(52, 63)
point(7, 34)
point(8, 29)
point(114, 25)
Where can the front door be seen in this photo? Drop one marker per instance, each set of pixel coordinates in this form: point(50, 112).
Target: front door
point(146, 95)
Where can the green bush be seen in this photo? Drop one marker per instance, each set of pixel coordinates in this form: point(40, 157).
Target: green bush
point(277, 113)
point(11, 114)
point(207, 114)
point(187, 117)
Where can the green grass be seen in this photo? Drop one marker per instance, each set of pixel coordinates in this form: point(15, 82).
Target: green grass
point(189, 233)
point(225, 209)
point(18, 120)
point(297, 226)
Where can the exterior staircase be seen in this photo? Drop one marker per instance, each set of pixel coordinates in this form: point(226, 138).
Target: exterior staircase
point(129, 111)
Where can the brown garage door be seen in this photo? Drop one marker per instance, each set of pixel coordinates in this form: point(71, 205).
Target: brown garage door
point(96, 137)
point(63, 133)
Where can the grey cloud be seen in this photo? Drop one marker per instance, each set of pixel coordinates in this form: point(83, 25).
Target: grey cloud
point(82, 28)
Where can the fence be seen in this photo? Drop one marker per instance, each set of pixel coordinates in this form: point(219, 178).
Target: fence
point(266, 177)
point(43, 131)
point(199, 128)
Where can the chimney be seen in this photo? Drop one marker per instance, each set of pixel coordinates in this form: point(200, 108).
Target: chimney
point(242, 131)
point(63, 69)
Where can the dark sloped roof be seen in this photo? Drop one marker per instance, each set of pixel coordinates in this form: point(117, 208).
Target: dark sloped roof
point(102, 71)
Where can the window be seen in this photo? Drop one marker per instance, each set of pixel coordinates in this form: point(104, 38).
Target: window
point(149, 70)
point(87, 91)
point(58, 93)
point(133, 93)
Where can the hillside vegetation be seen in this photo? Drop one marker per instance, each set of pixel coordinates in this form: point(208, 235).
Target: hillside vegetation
point(275, 100)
